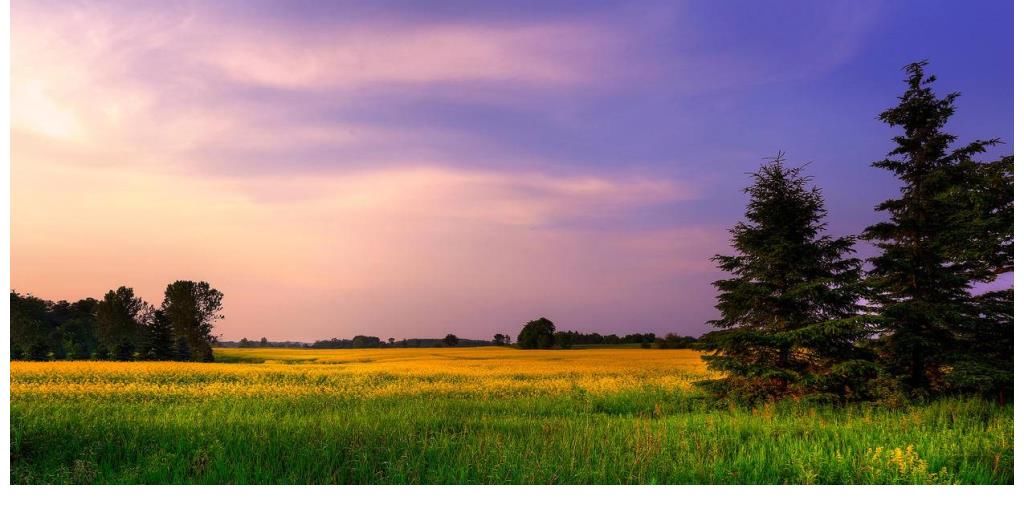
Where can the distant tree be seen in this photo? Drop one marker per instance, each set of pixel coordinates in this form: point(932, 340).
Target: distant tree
point(789, 310)
point(78, 329)
point(332, 343)
point(264, 342)
point(501, 339)
point(950, 227)
point(673, 340)
point(537, 334)
point(79, 338)
point(363, 341)
point(639, 338)
point(564, 339)
point(611, 339)
point(30, 328)
point(192, 308)
point(120, 325)
point(391, 341)
point(451, 340)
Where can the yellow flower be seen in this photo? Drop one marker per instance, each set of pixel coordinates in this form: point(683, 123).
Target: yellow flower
point(365, 373)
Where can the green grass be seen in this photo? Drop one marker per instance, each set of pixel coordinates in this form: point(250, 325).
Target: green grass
point(649, 436)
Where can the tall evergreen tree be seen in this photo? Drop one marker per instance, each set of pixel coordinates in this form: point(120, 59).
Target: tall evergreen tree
point(950, 227)
point(789, 314)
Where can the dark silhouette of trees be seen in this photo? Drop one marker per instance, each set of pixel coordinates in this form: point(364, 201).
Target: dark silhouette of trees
point(120, 323)
point(357, 342)
point(788, 309)
point(541, 334)
point(363, 341)
point(451, 340)
point(120, 326)
point(563, 339)
point(77, 327)
point(77, 338)
point(192, 308)
point(502, 339)
point(334, 343)
point(537, 334)
point(29, 327)
point(950, 227)
point(159, 344)
point(674, 341)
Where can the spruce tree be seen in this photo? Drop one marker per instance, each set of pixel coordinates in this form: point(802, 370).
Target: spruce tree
point(950, 227)
point(789, 314)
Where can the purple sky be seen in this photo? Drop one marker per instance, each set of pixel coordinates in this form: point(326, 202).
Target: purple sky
point(409, 169)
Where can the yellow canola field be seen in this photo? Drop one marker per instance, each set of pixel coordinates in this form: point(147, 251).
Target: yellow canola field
point(483, 372)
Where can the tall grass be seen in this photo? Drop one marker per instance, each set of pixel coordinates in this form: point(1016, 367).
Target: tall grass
point(645, 430)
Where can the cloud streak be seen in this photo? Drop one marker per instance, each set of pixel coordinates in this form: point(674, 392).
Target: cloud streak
point(400, 252)
point(409, 171)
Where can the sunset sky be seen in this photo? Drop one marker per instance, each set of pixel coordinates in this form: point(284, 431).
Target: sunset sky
point(409, 169)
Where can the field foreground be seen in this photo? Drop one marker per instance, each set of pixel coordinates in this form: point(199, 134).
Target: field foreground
point(473, 415)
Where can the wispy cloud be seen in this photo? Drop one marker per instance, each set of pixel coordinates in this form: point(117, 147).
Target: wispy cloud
point(531, 55)
point(343, 251)
point(393, 174)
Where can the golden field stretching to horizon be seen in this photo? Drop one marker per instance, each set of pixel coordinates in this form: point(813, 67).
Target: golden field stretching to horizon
point(485, 372)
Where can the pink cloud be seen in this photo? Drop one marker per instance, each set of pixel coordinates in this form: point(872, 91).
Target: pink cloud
point(109, 107)
point(541, 55)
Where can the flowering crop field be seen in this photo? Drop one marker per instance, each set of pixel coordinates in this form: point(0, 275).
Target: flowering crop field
point(469, 415)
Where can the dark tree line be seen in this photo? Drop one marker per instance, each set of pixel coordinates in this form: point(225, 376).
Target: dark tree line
point(363, 342)
point(542, 334)
point(357, 342)
point(798, 317)
point(120, 326)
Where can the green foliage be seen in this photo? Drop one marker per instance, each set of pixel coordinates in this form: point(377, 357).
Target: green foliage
point(563, 340)
point(192, 308)
point(789, 312)
point(29, 327)
point(159, 343)
point(365, 341)
point(42, 330)
point(983, 359)
point(537, 334)
point(121, 326)
point(120, 322)
point(78, 337)
point(951, 226)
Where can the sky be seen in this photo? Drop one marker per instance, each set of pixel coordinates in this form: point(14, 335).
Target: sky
point(410, 169)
